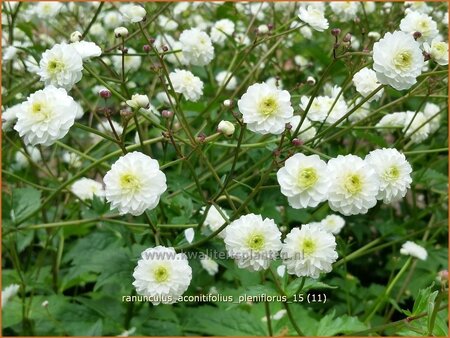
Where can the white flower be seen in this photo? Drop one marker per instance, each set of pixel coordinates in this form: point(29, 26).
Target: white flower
point(214, 220)
point(431, 111)
point(9, 292)
point(61, 66)
point(197, 47)
point(266, 109)
point(252, 241)
point(21, 161)
point(226, 128)
point(326, 109)
point(393, 120)
point(98, 30)
point(306, 32)
point(314, 17)
point(72, 159)
point(105, 127)
point(304, 180)
point(9, 53)
point(398, 60)
point(162, 275)
point(333, 224)
point(225, 76)
point(418, 22)
point(416, 126)
point(189, 234)
point(138, 101)
point(366, 82)
point(9, 116)
point(354, 185)
point(393, 171)
point(306, 131)
point(242, 39)
point(167, 23)
point(263, 29)
point(438, 51)
point(47, 9)
point(418, 6)
point(281, 270)
point(86, 188)
point(112, 19)
point(132, 62)
point(221, 30)
point(46, 116)
point(309, 251)
point(132, 13)
point(86, 49)
point(412, 249)
point(184, 82)
point(134, 184)
point(209, 265)
point(345, 10)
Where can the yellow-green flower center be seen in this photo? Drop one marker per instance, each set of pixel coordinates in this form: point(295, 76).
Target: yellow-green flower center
point(307, 177)
point(256, 242)
point(268, 106)
point(40, 110)
point(403, 60)
point(308, 246)
point(161, 274)
point(129, 181)
point(55, 66)
point(392, 173)
point(353, 183)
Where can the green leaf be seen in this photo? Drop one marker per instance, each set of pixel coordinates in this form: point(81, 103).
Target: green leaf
point(25, 202)
point(330, 326)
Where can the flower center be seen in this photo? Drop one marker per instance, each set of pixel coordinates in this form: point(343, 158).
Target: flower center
point(161, 274)
point(55, 66)
point(353, 184)
point(256, 242)
point(391, 174)
point(308, 246)
point(307, 177)
point(40, 110)
point(268, 106)
point(129, 181)
point(423, 24)
point(403, 60)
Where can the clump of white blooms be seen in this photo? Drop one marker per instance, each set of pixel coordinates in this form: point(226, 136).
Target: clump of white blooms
point(221, 30)
point(197, 47)
point(354, 185)
point(415, 250)
point(228, 78)
point(415, 125)
point(265, 109)
point(393, 171)
point(61, 66)
point(366, 82)
point(397, 60)
point(132, 13)
point(186, 83)
point(304, 180)
point(9, 292)
point(162, 275)
point(86, 189)
point(314, 16)
point(214, 219)
point(209, 265)
point(253, 241)
point(134, 184)
point(333, 224)
point(47, 9)
point(22, 161)
point(105, 127)
point(344, 10)
point(309, 251)
point(46, 116)
point(419, 22)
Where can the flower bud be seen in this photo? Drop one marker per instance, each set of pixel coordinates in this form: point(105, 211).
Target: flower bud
point(166, 113)
point(311, 81)
point(120, 32)
point(347, 37)
point(201, 137)
point(75, 36)
point(146, 48)
point(374, 35)
point(296, 142)
point(227, 103)
point(226, 128)
point(335, 31)
point(417, 35)
point(138, 101)
point(44, 303)
point(105, 93)
point(165, 48)
point(263, 29)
